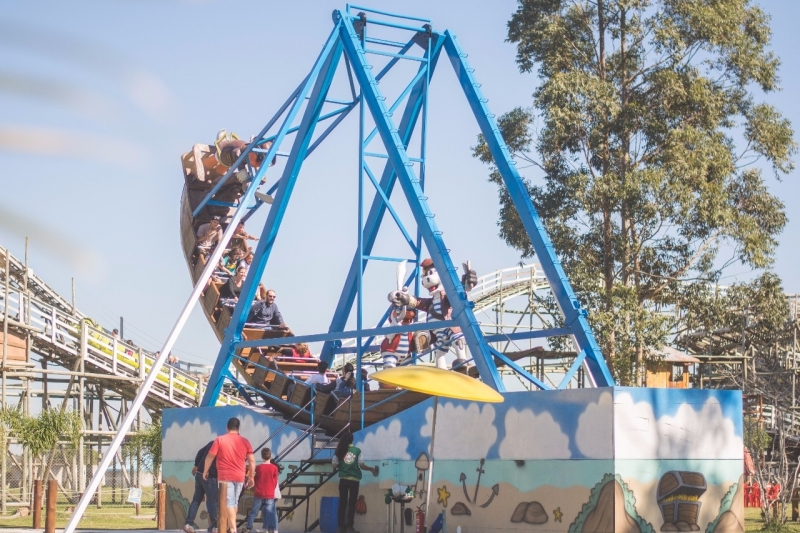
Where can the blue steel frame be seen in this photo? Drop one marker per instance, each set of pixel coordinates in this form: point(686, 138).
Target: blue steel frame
point(349, 39)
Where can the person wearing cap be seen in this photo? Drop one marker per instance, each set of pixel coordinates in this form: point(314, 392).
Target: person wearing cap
point(208, 235)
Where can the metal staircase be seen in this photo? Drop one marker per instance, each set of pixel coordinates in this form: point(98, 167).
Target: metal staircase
point(307, 477)
point(69, 339)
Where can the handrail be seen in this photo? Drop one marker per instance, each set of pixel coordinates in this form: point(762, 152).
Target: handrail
point(54, 329)
point(308, 431)
point(302, 409)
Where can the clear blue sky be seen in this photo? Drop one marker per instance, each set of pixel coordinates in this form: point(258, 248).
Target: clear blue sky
point(99, 99)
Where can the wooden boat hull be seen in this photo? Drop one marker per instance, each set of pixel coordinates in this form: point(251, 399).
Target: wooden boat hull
point(378, 405)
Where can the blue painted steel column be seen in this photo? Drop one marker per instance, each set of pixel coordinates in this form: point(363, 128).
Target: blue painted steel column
point(378, 208)
point(462, 307)
point(574, 316)
point(321, 76)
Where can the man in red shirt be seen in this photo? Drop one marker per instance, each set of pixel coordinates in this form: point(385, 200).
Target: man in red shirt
point(231, 450)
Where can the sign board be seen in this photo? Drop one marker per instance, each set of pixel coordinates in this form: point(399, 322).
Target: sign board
point(135, 495)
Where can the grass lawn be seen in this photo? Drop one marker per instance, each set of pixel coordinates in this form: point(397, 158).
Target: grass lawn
point(752, 521)
point(106, 518)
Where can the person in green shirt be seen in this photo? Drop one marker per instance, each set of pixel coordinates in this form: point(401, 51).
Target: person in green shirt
point(348, 458)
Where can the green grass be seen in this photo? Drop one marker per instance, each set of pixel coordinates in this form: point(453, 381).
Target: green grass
point(110, 516)
point(753, 522)
point(107, 517)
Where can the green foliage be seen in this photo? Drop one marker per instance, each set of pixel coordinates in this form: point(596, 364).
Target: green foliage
point(38, 434)
point(149, 440)
point(756, 438)
point(649, 141)
point(9, 422)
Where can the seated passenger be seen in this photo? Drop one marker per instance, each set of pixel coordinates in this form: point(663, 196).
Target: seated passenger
point(240, 237)
point(231, 260)
point(365, 379)
point(247, 261)
point(208, 235)
point(266, 313)
point(320, 380)
point(346, 383)
point(303, 351)
point(229, 292)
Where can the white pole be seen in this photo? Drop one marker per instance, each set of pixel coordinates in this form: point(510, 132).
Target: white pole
point(430, 464)
point(151, 377)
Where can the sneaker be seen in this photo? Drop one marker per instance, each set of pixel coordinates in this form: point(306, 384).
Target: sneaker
point(189, 528)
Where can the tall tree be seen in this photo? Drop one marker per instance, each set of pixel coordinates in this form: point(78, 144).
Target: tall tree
point(650, 143)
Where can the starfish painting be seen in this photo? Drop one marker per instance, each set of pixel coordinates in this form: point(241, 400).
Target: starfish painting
point(557, 514)
point(443, 495)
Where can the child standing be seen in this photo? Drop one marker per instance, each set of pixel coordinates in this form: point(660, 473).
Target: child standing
point(264, 496)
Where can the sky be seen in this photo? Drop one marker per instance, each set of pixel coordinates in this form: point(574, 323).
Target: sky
point(98, 100)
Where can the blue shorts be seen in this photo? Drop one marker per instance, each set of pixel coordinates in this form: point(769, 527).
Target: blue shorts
point(233, 492)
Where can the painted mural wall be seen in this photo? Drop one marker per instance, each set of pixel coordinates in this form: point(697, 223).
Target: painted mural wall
point(621, 459)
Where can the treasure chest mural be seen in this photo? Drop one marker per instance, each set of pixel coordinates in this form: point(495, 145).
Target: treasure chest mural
point(679, 499)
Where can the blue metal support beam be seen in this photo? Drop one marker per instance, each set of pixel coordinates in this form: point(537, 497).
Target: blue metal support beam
point(378, 208)
point(320, 79)
point(559, 283)
point(461, 306)
point(346, 42)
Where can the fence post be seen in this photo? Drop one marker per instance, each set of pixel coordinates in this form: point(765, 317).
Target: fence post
point(161, 506)
point(222, 515)
point(52, 498)
point(37, 504)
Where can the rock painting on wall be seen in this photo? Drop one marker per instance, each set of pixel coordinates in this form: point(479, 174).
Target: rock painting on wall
point(611, 507)
point(177, 507)
point(730, 518)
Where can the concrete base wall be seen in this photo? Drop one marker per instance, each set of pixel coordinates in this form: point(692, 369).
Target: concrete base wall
point(604, 460)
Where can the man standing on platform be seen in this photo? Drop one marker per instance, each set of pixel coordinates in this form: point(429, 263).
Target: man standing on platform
point(231, 450)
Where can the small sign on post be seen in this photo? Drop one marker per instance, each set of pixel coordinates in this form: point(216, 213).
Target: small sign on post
point(134, 495)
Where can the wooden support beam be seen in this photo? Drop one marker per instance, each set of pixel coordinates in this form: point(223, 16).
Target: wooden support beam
point(222, 519)
point(161, 506)
point(37, 504)
point(52, 498)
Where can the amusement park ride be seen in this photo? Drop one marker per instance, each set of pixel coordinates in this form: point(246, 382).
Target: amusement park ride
point(364, 45)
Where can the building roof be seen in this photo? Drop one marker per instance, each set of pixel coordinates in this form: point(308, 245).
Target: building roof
point(671, 355)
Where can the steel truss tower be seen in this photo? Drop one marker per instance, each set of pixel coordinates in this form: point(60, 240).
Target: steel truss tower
point(358, 37)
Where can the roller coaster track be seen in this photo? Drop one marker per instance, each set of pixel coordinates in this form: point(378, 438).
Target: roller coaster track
point(70, 339)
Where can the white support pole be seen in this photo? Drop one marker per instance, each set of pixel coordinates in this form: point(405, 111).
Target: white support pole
point(430, 463)
point(130, 417)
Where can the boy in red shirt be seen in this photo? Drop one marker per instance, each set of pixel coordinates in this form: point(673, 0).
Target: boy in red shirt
point(264, 494)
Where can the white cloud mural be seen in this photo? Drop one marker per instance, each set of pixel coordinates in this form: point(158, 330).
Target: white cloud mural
point(593, 435)
point(461, 432)
point(384, 443)
point(254, 430)
point(302, 451)
point(532, 436)
point(689, 434)
point(181, 442)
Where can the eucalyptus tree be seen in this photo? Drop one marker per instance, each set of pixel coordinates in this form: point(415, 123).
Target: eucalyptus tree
point(648, 147)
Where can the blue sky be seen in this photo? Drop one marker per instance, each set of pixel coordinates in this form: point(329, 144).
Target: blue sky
point(99, 99)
